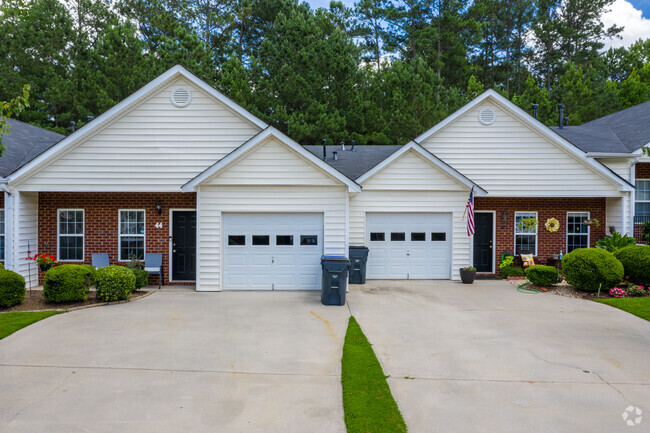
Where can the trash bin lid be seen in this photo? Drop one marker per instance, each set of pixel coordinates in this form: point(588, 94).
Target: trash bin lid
point(332, 258)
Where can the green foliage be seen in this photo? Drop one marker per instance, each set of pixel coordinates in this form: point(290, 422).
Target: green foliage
point(645, 231)
point(68, 283)
point(638, 306)
point(615, 242)
point(12, 288)
point(591, 268)
point(512, 271)
point(506, 262)
point(367, 401)
point(636, 263)
point(12, 322)
point(12, 108)
point(141, 278)
point(635, 291)
point(541, 275)
point(114, 283)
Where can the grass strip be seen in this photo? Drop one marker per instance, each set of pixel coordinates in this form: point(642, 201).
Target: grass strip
point(367, 401)
point(12, 322)
point(638, 306)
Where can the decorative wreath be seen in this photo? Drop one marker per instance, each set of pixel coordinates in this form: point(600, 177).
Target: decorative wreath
point(552, 225)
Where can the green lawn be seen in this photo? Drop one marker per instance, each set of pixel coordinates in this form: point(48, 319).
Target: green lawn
point(12, 322)
point(369, 406)
point(637, 306)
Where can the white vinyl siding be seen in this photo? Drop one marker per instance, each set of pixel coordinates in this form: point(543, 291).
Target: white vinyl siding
point(577, 233)
point(525, 237)
point(26, 232)
point(213, 200)
point(132, 234)
point(614, 209)
point(620, 166)
point(153, 147)
point(70, 235)
point(509, 159)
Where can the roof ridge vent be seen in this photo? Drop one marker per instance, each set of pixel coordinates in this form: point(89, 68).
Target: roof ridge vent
point(487, 116)
point(181, 96)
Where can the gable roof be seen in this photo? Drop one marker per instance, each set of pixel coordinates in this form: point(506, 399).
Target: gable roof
point(622, 132)
point(118, 110)
point(257, 140)
point(535, 125)
point(354, 163)
point(428, 156)
point(24, 142)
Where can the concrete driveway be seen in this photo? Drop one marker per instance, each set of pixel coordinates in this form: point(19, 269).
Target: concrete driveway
point(485, 358)
point(179, 361)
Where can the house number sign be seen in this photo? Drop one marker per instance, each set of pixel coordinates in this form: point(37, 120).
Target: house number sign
point(159, 225)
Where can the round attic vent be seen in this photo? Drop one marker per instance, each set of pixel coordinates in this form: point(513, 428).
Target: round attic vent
point(487, 116)
point(181, 97)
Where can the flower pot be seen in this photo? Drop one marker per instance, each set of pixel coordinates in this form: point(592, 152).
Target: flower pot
point(467, 277)
point(45, 267)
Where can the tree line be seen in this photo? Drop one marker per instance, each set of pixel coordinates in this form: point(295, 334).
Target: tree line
point(380, 72)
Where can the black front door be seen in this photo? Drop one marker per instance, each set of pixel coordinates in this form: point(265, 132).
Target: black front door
point(184, 245)
point(483, 241)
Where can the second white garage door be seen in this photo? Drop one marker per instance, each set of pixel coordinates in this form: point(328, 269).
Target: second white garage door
point(409, 245)
point(272, 251)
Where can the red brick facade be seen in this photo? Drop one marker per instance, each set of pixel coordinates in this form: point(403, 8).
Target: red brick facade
point(101, 221)
point(642, 170)
point(547, 243)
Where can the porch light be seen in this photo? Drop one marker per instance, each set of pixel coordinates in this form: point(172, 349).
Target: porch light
point(158, 208)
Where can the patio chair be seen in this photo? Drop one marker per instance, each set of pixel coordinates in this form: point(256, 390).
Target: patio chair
point(153, 265)
point(100, 260)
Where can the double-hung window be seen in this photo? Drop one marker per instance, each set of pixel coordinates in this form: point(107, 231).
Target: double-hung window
point(2, 234)
point(132, 234)
point(71, 235)
point(525, 234)
point(642, 198)
point(577, 233)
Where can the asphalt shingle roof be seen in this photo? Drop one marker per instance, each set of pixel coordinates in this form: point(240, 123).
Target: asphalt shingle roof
point(621, 132)
point(354, 164)
point(24, 143)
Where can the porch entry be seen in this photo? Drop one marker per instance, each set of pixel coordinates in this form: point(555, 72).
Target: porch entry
point(183, 248)
point(484, 241)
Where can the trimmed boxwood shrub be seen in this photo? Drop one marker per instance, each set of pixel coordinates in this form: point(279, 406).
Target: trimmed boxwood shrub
point(636, 263)
point(588, 268)
point(541, 275)
point(511, 271)
point(141, 278)
point(68, 283)
point(114, 283)
point(12, 288)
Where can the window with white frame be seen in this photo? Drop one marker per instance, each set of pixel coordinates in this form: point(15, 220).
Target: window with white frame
point(525, 234)
point(132, 234)
point(577, 234)
point(71, 234)
point(2, 234)
point(642, 198)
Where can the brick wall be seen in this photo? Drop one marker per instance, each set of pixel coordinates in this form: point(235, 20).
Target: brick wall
point(642, 170)
point(101, 221)
point(547, 243)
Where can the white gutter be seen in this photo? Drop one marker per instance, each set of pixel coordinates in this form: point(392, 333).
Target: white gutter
point(3, 185)
point(611, 155)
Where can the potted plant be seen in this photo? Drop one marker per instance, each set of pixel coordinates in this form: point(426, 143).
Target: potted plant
point(591, 222)
point(44, 261)
point(468, 274)
point(134, 262)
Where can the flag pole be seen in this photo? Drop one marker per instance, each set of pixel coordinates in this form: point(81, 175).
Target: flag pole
point(465, 211)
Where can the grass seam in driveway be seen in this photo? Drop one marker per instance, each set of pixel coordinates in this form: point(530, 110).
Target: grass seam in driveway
point(14, 321)
point(368, 403)
point(638, 306)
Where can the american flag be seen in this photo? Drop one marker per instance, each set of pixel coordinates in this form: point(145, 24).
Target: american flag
point(470, 213)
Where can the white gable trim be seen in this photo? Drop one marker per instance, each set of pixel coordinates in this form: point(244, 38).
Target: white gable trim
point(538, 127)
point(118, 110)
point(242, 150)
point(428, 156)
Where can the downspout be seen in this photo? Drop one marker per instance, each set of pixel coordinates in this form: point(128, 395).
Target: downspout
point(632, 195)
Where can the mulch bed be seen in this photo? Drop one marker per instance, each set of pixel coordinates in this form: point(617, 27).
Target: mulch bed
point(34, 302)
point(562, 289)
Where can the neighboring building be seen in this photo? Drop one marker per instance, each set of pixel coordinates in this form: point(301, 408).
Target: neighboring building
point(177, 168)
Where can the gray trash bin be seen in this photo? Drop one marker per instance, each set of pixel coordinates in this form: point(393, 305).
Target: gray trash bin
point(358, 260)
point(335, 279)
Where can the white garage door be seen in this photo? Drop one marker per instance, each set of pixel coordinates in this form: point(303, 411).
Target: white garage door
point(272, 251)
point(409, 245)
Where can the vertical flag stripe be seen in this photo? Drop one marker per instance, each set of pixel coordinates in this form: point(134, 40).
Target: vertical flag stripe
point(470, 213)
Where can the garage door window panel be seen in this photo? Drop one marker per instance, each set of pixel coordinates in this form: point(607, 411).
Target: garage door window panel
point(284, 240)
point(261, 240)
point(236, 240)
point(438, 237)
point(377, 237)
point(398, 237)
point(308, 240)
point(525, 234)
point(418, 237)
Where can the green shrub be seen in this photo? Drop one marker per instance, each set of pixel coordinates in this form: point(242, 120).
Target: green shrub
point(114, 283)
point(512, 271)
point(636, 262)
point(591, 268)
point(141, 278)
point(67, 283)
point(506, 261)
point(634, 290)
point(12, 288)
point(615, 242)
point(541, 275)
point(2, 265)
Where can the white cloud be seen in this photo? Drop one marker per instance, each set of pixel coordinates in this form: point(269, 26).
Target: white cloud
point(623, 14)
